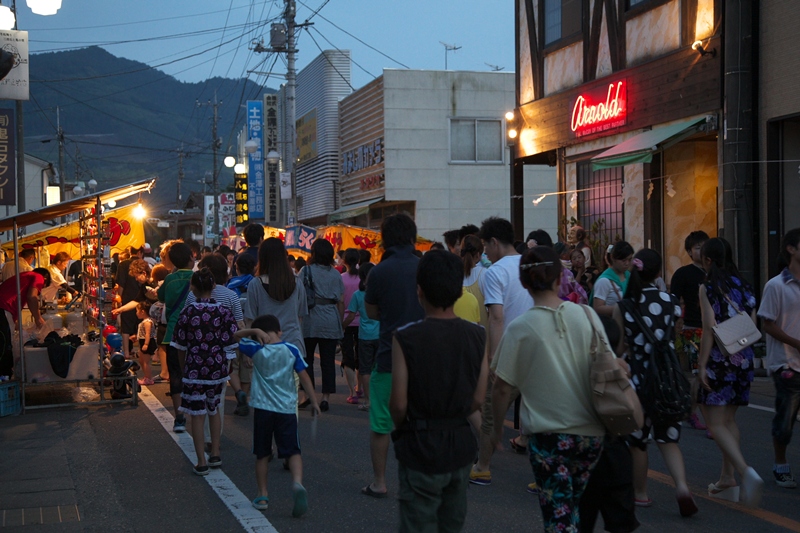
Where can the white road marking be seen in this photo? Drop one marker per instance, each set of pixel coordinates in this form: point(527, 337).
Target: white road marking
point(761, 408)
point(252, 520)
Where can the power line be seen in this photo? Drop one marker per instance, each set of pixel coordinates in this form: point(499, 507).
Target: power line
point(356, 38)
point(331, 63)
point(338, 50)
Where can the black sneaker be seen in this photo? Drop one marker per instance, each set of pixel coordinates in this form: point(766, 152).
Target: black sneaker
point(784, 479)
point(179, 426)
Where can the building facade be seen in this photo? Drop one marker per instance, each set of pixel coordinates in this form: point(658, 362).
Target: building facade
point(320, 87)
point(626, 97)
point(431, 144)
point(779, 127)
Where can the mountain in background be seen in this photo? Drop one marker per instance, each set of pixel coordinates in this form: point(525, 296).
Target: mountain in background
point(124, 121)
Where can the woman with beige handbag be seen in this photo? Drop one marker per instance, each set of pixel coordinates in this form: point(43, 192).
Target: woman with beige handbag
point(725, 378)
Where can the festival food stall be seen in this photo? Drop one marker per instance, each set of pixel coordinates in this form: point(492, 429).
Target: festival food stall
point(91, 239)
point(298, 239)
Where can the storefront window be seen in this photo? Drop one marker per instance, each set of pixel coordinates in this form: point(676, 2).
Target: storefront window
point(476, 141)
point(600, 201)
point(562, 18)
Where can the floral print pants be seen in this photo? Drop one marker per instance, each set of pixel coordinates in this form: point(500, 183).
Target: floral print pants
point(562, 465)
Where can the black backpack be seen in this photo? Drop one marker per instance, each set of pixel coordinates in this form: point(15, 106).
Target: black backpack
point(665, 393)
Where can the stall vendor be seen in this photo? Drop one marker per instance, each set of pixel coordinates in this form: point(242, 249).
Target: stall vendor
point(56, 268)
point(31, 285)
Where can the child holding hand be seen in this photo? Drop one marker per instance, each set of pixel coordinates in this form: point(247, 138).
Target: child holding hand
point(273, 395)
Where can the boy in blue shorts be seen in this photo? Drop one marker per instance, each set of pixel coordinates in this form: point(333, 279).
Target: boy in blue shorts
point(273, 395)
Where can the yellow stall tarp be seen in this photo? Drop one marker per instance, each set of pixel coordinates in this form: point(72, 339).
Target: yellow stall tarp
point(126, 231)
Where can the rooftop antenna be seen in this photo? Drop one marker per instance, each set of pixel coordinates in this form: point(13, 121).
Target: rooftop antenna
point(495, 68)
point(448, 48)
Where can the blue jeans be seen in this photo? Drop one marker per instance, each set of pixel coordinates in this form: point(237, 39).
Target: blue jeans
point(787, 403)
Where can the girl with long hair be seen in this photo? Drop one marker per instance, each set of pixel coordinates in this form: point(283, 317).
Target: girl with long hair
point(660, 311)
point(725, 379)
point(274, 291)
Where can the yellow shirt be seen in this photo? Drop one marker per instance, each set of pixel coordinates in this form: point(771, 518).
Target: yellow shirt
point(467, 308)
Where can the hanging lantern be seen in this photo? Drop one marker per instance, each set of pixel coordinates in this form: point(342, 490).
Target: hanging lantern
point(44, 7)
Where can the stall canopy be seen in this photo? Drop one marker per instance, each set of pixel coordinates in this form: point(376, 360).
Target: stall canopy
point(353, 210)
point(89, 201)
point(640, 148)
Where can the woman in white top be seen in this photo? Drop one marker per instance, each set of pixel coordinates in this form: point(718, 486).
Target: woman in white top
point(611, 285)
point(545, 354)
point(471, 251)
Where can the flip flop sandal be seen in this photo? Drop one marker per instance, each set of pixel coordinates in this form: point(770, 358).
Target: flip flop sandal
point(367, 491)
point(517, 447)
point(261, 503)
point(643, 503)
point(215, 461)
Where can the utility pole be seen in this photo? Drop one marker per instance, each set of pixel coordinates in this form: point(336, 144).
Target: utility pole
point(291, 89)
point(181, 155)
point(61, 175)
point(215, 171)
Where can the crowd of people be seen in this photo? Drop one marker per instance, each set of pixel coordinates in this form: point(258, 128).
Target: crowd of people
point(437, 347)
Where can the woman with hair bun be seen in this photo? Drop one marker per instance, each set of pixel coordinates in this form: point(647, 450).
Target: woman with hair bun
point(545, 353)
point(205, 342)
point(658, 310)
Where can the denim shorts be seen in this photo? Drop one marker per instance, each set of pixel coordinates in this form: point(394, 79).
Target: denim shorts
point(787, 403)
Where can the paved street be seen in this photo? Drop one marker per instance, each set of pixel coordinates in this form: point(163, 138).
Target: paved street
point(118, 469)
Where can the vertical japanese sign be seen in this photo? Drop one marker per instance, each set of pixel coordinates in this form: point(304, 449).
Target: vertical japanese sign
point(271, 112)
point(15, 86)
point(8, 163)
point(240, 195)
point(255, 179)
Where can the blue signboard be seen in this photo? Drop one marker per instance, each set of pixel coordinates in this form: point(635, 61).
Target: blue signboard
point(255, 175)
point(300, 238)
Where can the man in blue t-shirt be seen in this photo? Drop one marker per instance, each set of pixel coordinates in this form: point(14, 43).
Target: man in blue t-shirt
point(391, 297)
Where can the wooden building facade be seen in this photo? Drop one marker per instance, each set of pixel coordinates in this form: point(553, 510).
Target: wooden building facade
point(626, 97)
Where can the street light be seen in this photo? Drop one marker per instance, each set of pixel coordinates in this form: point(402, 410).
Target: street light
point(273, 157)
point(229, 161)
point(251, 146)
point(239, 168)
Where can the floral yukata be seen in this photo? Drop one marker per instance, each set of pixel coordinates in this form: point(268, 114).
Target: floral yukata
point(729, 376)
point(205, 331)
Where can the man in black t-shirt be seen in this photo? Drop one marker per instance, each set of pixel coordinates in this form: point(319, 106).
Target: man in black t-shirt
point(685, 285)
point(439, 374)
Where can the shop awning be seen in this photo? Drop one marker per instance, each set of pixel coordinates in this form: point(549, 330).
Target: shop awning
point(640, 148)
point(353, 210)
point(51, 212)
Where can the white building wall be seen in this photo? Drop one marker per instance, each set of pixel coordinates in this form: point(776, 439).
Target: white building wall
point(417, 109)
point(321, 85)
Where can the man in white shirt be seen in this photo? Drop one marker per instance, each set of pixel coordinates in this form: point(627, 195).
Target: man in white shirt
point(780, 313)
point(26, 258)
point(506, 299)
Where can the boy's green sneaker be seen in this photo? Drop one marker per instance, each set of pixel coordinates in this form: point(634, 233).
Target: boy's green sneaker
point(300, 500)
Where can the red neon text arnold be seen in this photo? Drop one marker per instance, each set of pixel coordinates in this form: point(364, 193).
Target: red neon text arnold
point(585, 114)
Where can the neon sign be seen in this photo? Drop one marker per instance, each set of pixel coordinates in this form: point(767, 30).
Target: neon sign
point(600, 110)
